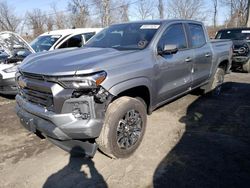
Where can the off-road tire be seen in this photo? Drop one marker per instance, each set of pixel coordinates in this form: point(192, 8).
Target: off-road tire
point(217, 81)
point(246, 67)
point(107, 141)
point(213, 88)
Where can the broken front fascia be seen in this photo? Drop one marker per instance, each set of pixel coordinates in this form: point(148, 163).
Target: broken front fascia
point(79, 123)
point(90, 86)
point(78, 107)
point(72, 115)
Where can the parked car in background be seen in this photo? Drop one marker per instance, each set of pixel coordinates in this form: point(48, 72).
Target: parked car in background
point(100, 95)
point(66, 38)
point(241, 46)
point(13, 49)
point(16, 49)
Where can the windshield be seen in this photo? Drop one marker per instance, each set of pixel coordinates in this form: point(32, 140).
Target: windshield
point(44, 43)
point(234, 34)
point(132, 36)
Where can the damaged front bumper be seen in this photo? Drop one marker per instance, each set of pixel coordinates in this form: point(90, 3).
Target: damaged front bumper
point(66, 130)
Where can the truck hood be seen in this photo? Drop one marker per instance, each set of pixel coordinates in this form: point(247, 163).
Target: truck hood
point(69, 62)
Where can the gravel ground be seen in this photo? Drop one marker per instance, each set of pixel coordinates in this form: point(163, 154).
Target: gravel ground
point(192, 142)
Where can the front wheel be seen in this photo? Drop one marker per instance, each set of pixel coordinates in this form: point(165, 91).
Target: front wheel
point(124, 127)
point(246, 67)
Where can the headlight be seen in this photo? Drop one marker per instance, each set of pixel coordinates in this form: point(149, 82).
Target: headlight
point(83, 82)
point(11, 69)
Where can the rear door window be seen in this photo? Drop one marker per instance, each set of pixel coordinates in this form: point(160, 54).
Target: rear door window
point(198, 38)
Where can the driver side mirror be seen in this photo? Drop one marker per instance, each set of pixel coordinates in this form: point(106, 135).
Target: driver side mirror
point(168, 49)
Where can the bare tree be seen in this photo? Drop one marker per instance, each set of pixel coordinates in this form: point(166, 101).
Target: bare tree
point(215, 7)
point(123, 11)
point(248, 14)
point(238, 11)
point(145, 9)
point(49, 23)
point(119, 11)
point(36, 20)
point(60, 19)
point(80, 12)
point(229, 4)
point(161, 9)
point(8, 19)
point(104, 11)
point(187, 9)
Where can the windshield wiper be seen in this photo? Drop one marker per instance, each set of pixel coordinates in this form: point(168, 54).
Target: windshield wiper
point(124, 48)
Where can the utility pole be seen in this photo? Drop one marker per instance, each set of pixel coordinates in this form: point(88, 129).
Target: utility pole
point(248, 14)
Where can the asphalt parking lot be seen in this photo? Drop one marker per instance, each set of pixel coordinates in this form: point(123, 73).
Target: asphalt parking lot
point(195, 141)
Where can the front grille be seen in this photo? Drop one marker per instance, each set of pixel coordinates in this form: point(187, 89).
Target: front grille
point(33, 76)
point(38, 97)
point(42, 97)
point(241, 50)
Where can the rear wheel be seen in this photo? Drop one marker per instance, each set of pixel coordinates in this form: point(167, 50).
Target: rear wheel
point(217, 81)
point(124, 127)
point(215, 84)
point(246, 67)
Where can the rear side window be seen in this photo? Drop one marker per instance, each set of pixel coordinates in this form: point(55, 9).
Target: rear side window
point(75, 41)
point(88, 35)
point(174, 34)
point(198, 38)
point(234, 34)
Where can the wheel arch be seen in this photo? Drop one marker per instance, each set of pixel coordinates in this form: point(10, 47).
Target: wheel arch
point(138, 87)
point(224, 63)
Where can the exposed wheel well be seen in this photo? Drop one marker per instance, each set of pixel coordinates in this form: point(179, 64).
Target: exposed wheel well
point(224, 64)
point(139, 91)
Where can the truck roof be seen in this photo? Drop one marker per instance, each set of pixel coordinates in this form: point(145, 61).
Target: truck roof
point(161, 21)
point(235, 28)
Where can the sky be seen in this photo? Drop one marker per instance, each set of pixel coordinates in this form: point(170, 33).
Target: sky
point(21, 6)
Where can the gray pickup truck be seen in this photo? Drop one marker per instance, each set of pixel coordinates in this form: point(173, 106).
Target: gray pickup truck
point(99, 96)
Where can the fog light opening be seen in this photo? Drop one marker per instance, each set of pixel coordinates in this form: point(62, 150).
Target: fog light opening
point(79, 115)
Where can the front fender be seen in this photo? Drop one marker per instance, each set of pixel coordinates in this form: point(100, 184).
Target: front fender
point(129, 84)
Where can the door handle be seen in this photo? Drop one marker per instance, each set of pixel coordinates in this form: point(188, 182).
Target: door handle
point(207, 55)
point(188, 59)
